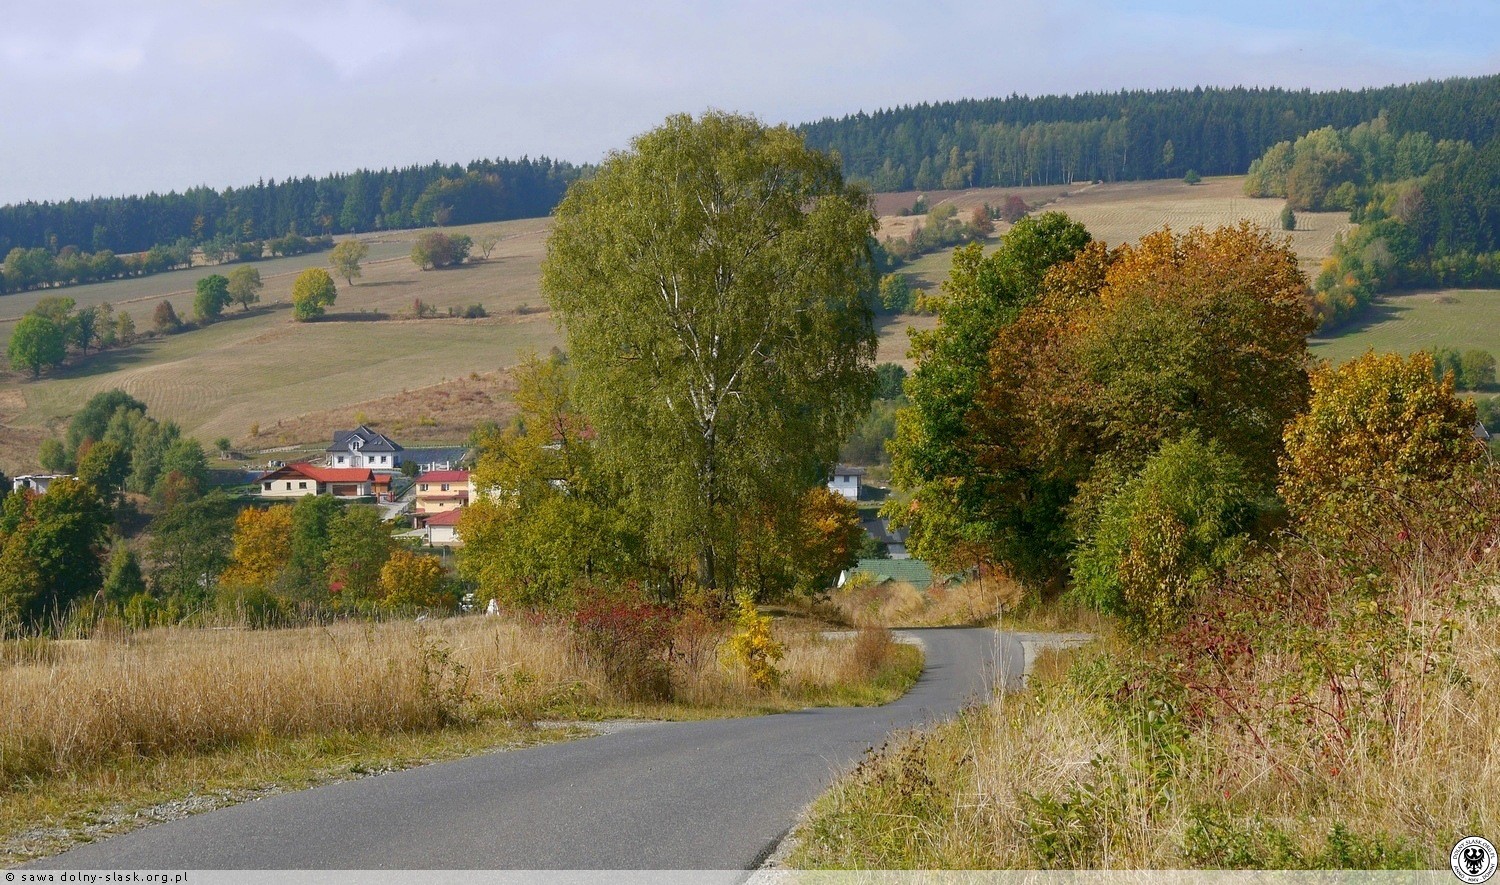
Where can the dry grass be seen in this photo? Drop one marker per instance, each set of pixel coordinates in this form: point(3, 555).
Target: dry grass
point(71, 705)
point(1074, 775)
point(92, 731)
point(899, 604)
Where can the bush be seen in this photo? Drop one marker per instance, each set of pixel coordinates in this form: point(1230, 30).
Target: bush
point(1164, 535)
point(1192, 177)
point(753, 646)
point(629, 640)
point(435, 249)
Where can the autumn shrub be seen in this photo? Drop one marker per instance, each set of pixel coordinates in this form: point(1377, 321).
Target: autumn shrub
point(1164, 535)
point(752, 645)
point(628, 639)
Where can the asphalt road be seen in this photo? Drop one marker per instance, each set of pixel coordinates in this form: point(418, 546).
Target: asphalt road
point(679, 795)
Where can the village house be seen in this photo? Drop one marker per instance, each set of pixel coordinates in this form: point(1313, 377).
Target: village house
point(297, 480)
point(442, 529)
point(439, 491)
point(36, 482)
point(845, 481)
point(363, 447)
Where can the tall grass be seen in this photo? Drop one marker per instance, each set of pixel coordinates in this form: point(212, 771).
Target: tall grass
point(71, 704)
point(899, 604)
point(1325, 710)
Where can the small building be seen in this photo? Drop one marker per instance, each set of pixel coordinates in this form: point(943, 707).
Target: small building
point(908, 571)
point(845, 481)
point(442, 529)
point(363, 447)
point(439, 491)
point(300, 479)
point(36, 482)
point(879, 528)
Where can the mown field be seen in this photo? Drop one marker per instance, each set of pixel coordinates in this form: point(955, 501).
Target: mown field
point(1122, 212)
point(434, 377)
point(431, 380)
point(1462, 319)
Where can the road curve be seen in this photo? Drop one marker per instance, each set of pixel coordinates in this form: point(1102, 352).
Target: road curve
point(669, 795)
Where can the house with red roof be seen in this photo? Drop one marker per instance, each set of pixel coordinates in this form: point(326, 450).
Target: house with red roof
point(442, 529)
point(299, 479)
point(439, 491)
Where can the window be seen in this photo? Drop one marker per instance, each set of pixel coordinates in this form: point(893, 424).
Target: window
point(341, 459)
point(301, 485)
point(266, 487)
point(289, 485)
point(445, 487)
point(384, 458)
point(423, 488)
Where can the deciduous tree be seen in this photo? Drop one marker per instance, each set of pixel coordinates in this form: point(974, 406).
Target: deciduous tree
point(313, 292)
point(244, 286)
point(36, 343)
point(710, 281)
point(211, 298)
point(346, 257)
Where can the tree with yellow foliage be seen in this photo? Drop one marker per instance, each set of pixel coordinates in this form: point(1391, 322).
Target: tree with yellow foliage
point(412, 579)
point(262, 547)
point(1376, 428)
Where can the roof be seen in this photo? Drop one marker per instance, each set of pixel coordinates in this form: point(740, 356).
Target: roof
point(370, 441)
point(447, 517)
point(913, 571)
point(848, 470)
point(324, 474)
point(880, 529)
point(444, 476)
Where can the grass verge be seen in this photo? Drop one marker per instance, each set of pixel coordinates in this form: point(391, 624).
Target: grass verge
point(103, 735)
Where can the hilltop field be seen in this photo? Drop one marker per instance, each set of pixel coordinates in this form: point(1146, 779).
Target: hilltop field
point(266, 382)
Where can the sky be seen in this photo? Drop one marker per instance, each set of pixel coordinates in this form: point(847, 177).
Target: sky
point(109, 98)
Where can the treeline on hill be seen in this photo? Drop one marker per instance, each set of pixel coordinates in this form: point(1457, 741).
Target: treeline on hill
point(1428, 209)
point(241, 222)
point(1021, 140)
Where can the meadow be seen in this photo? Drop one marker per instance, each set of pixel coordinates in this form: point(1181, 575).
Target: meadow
point(1462, 319)
point(1121, 212)
point(265, 382)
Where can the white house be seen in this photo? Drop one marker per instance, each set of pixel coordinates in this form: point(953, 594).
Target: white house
point(846, 481)
point(442, 529)
point(363, 447)
point(297, 480)
point(36, 482)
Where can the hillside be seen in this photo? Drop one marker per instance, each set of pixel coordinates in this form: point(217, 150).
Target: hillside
point(434, 379)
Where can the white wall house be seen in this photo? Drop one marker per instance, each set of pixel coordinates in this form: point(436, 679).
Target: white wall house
point(36, 482)
point(845, 481)
point(297, 480)
point(442, 529)
point(363, 447)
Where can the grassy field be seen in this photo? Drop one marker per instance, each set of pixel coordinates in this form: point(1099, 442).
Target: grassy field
point(432, 380)
point(1461, 319)
point(434, 377)
point(1122, 212)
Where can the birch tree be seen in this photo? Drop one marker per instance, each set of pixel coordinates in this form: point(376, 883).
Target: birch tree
point(710, 282)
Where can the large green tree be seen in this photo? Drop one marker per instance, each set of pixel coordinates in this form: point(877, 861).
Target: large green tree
point(51, 549)
point(934, 456)
point(36, 343)
point(211, 297)
point(710, 280)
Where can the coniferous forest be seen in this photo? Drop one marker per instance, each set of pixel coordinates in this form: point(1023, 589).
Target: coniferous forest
point(1115, 136)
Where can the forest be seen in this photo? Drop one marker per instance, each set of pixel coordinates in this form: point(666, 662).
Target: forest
point(1128, 135)
point(414, 196)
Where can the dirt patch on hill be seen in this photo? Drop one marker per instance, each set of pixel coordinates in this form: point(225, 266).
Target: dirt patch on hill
point(439, 413)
